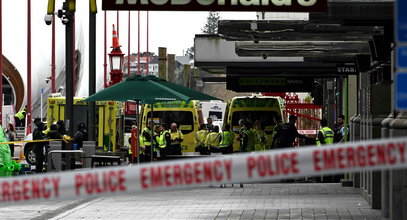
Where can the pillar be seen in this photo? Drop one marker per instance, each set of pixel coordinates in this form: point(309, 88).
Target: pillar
point(172, 77)
point(162, 63)
point(186, 72)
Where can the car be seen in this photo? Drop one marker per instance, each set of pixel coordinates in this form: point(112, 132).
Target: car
point(28, 149)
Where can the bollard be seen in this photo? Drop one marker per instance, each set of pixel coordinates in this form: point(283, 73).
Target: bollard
point(54, 162)
point(89, 147)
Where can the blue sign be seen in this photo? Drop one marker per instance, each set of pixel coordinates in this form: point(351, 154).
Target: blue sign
point(42, 91)
point(401, 91)
point(401, 57)
point(401, 20)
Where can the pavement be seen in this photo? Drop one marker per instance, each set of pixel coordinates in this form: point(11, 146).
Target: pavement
point(253, 201)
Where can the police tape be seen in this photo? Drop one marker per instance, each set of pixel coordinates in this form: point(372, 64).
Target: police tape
point(187, 173)
point(32, 141)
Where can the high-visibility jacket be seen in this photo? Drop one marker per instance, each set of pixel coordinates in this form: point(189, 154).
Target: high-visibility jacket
point(177, 134)
point(162, 141)
point(251, 139)
point(226, 139)
point(260, 141)
point(328, 136)
point(145, 141)
point(212, 140)
point(156, 141)
point(200, 137)
point(20, 115)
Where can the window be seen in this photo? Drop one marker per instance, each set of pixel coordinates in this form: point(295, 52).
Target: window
point(265, 116)
point(216, 116)
point(184, 119)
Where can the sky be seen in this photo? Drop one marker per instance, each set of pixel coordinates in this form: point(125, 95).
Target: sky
point(171, 29)
point(174, 30)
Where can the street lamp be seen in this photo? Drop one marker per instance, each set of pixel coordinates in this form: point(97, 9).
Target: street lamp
point(116, 61)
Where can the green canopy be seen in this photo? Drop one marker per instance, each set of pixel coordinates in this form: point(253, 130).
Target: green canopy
point(149, 89)
point(137, 88)
point(192, 94)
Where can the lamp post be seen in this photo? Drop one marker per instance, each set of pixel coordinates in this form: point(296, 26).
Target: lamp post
point(116, 61)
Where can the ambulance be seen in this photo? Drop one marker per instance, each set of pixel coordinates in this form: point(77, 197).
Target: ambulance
point(187, 115)
point(109, 122)
point(255, 107)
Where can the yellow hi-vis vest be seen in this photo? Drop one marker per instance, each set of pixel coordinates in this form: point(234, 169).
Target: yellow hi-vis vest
point(328, 136)
point(177, 134)
point(226, 138)
point(145, 141)
point(20, 114)
point(200, 137)
point(162, 141)
point(212, 140)
point(260, 137)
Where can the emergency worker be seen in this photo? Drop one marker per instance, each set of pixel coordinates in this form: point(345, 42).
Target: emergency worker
point(39, 146)
point(325, 135)
point(213, 140)
point(53, 132)
point(164, 141)
point(11, 135)
point(156, 138)
point(80, 135)
point(278, 123)
point(61, 127)
point(209, 125)
point(19, 117)
point(176, 139)
point(261, 137)
point(241, 131)
point(249, 138)
point(147, 140)
point(285, 137)
point(226, 140)
point(200, 138)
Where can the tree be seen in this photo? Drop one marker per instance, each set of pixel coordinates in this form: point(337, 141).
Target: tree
point(190, 52)
point(211, 26)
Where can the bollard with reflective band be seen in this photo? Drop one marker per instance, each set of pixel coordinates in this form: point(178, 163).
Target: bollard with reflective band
point(134, 144)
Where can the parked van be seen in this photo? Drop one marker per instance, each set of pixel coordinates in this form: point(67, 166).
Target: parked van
point(187, 115)
point(253, 108)
point(214, 110)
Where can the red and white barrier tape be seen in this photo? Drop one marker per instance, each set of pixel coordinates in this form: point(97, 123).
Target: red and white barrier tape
point(178, 174)
point(307, 131)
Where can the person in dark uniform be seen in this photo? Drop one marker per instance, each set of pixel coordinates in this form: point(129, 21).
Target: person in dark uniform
point(287, 134)
point(80, 135)
point(39, 146)
point(53, 132)
point(11, 135)
point(209, 125)
point(61, 127)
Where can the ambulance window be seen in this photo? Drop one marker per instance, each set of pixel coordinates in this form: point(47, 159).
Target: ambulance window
point(215, 115)
point(184, 119)
point(265, 116)
point(128, 122)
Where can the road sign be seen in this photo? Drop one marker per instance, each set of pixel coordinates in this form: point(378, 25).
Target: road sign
point(247, 83)
point(401, 91)
point(401, 21)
